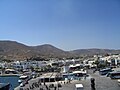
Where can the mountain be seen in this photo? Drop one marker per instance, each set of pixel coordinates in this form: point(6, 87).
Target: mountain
point(50, 51)
point(95, 51)
point(13, 50)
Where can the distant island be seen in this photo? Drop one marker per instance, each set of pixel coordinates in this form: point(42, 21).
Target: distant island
point(12, 50)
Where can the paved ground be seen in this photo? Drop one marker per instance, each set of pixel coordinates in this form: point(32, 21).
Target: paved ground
point(101, 83)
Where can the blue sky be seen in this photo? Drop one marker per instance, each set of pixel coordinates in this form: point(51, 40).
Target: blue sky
point(66, 24)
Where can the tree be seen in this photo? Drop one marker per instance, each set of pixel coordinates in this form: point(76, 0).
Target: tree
point(31, 68)
point(97, 63)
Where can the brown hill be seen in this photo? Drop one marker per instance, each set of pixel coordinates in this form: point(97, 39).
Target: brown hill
point(16, 51)
point(50, 51)
point(95, 51)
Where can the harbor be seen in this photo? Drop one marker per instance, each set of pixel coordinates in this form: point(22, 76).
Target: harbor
point(99, 85)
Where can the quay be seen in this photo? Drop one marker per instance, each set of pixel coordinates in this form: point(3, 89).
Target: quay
point(41, 82)
point(101, 83)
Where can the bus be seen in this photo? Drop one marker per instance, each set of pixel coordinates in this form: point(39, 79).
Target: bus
point(105, 71)
point(114, 75)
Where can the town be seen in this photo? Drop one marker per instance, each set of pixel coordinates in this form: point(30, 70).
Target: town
point(55, 74)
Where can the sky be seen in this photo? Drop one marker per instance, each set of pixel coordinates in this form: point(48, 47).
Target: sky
point(66, 24)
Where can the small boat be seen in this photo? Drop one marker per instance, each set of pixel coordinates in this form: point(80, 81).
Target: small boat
point(4, 86)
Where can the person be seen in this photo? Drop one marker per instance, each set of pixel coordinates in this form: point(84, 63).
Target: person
point(94, 70)
point(85, 77)
point(69, 80)
point(55, 88)
point(92, 84)
point(46, 87)
point(44, 82)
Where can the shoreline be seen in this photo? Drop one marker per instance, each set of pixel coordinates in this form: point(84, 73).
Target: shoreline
point(5, 75)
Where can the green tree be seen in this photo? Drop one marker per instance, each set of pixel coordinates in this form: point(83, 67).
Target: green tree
point(31, 68)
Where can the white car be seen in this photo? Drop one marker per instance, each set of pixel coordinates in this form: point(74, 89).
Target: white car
point(78, 87)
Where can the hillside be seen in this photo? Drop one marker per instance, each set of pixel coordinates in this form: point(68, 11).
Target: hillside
point(95, 51)
point(50, 51)
point(16, 51)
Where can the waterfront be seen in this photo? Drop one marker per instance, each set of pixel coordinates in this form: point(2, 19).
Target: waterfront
point(101, 83)
point(13, 80)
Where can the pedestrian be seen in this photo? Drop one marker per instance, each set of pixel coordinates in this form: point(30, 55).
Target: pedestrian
point(55, 88)
point(92, 84)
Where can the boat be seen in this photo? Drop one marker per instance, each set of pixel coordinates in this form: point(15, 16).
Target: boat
point(4, 86)
point(11, 71)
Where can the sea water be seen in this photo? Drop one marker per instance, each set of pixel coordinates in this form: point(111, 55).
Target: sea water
point(13, 80)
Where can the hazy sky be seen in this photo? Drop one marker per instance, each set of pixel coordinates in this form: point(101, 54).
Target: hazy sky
point(66, 24)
